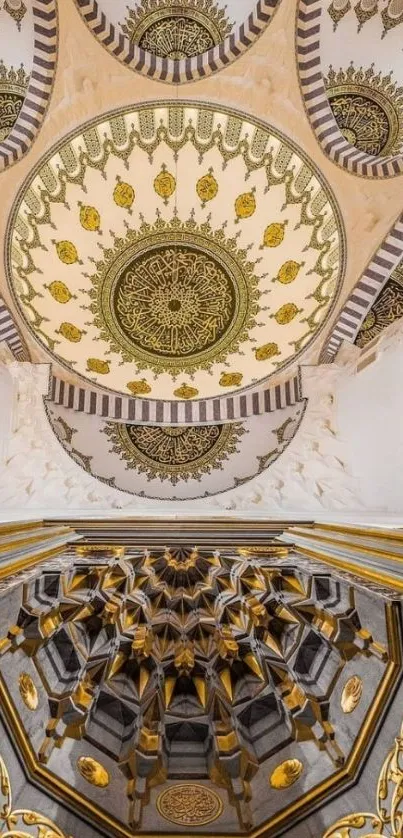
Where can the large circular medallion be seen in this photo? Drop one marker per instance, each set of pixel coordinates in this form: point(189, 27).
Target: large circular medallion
point(175, 251)
point(189, 804)
point(176, 30)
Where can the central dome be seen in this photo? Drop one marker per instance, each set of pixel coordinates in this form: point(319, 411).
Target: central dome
point(175, 251)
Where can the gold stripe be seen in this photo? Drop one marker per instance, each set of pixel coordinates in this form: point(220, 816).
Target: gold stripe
point(371, 551)
point(26, 542)
point(31, 561)
point(389, 535)
point(381, 578)
point(6, 529)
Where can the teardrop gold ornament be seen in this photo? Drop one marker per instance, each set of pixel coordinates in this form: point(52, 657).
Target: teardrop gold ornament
point(28, 691)
point(351, 695)
point(93, 772)
point(286, 774)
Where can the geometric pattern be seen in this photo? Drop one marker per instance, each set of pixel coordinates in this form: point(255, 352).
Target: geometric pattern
point(387, 308)
point(178, 664)
point(10, 334)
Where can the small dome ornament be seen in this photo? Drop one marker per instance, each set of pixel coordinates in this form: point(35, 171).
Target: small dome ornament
point(28, 691)
point(286, 774)
point(93, 772)
point(351, 695)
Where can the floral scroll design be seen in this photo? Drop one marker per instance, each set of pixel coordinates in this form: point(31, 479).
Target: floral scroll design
point(22, 823)
point(388, 821)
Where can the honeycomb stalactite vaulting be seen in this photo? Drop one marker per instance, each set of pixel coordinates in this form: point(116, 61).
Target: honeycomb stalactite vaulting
point(187, 664)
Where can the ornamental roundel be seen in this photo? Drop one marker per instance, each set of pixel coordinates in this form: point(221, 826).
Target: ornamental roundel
point(189, 804)
point(175, 251)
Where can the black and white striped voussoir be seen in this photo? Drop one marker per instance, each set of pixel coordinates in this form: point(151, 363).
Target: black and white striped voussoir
point(364, 294)
point(36, 101)
point(152, 411)
point(10, 335)
point(319, 112)
point(167, 70)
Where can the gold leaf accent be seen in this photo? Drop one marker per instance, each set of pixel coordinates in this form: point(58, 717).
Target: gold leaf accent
point(351, 695)
point(165, 184)
point(123, 194)
point(274, 234)
point(90, 218)
point(286, 774)
point(67, 252)
point(288, 272)
point(269, 350)
point(70, 332)
point(59, 291)
point(28, 691)
point(207, 187)
point(230, 379)
point(186, 392)
point(93, 772)
point(286, 313)
point(245, 205)
point(96, 365)
point(139, 388)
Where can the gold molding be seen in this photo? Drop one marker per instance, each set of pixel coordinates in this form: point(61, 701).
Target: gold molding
point(380, 578)
point(348, 545)
point(300, 807)
point(30, 561)
point(388, 535)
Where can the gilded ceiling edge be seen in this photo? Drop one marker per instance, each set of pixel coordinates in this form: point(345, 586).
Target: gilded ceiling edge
point(319, 113)
point(176, 71)
point(296, 811)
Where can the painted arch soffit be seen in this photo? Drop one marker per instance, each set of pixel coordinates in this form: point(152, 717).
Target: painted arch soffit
point(28, 54)
point(353, 315)
point(176, 41)
point(181, 462)
point(351, 77)
point(197, 252)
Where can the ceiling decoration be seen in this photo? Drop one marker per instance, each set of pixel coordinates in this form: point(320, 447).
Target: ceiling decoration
point(176, 40)
point(189, 686)
point(387, 308)
point(180, 251)
point(15, 822)
point(355, 108)
point(175, 462)
point(28, 43)
point(10, 334)
point(225, 409)
point(361, 300)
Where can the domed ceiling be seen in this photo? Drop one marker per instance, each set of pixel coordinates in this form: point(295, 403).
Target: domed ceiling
point(178, 251)
point(176, 40)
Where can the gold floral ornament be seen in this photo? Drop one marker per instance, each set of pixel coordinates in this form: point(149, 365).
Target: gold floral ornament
point(96, 365)
point(165, 184)
point(288, 272)
point(274, 234)
point(90, 218)
point(93, 772)
point(186, 392)
point(28, 691)
point(139, 388)
point(231, 379)
point(60, 292)
point(70, 332)
point(351, 695)
point(268, 350)
point(66, 251)
point(286, 313)
point(207, 187)
point(388, 821)
point(286, 774)
point(15, 821)
point(189, 804)
point(124, 195)
point(245, 205)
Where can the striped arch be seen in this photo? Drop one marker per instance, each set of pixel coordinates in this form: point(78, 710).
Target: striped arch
point(364, 294)
point(37, 98)
point(310, 21)
point(176, 71)
point(10, 335)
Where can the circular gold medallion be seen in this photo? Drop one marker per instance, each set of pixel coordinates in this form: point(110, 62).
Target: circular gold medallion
point(189, 804)
point(28, 691)
point(93, 772)
point(351, 695)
